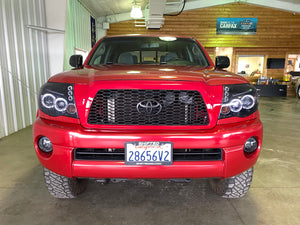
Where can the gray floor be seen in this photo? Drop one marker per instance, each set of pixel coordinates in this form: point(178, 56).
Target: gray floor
point(274, 197)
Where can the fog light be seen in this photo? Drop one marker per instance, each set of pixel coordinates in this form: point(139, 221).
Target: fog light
point(45, 145)
point(250, 145)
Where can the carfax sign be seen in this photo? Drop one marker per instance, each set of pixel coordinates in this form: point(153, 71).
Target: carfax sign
point(240, 26)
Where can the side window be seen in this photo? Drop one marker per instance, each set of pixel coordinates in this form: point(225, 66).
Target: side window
point(97, 60)
point(98, 55)
point(198, 56)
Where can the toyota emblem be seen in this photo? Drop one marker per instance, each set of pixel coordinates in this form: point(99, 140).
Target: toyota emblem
point(149, 107)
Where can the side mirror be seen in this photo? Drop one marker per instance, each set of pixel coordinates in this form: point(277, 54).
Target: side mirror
point(222, 62)
point(76, 61)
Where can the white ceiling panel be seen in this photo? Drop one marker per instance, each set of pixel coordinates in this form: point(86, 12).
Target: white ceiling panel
point(102, 8)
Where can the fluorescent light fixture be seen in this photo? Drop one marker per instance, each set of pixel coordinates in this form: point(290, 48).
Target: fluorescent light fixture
point(136, 12)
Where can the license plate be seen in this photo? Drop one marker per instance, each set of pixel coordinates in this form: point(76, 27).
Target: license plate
point(148, 153)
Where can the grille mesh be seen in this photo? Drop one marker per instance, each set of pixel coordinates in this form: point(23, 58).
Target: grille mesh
point(148, 107)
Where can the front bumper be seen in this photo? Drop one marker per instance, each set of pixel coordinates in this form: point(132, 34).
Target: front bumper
point(65, 137)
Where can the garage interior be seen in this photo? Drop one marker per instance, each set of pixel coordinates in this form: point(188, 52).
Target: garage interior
point(36, 40)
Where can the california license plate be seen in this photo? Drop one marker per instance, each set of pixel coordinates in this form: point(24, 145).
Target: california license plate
point(148, 153)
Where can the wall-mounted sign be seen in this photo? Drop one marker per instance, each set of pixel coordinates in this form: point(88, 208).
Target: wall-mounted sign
point(240, 26)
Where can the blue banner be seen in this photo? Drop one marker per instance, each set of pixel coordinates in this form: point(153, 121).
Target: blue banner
point(239, 26)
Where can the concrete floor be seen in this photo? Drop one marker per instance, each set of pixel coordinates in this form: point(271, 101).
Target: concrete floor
point(273, 199)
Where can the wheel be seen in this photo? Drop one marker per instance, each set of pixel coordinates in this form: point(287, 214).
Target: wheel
point(63, 187)
point(233, 187)
point(298, 92)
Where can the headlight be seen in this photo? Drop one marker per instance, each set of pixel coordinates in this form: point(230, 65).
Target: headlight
point(239, 100)
point(57, 99)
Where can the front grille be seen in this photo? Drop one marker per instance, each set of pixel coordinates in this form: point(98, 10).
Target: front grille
point(148, 107)
point(118, 154)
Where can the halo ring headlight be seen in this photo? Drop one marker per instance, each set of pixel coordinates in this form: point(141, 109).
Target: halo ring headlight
point(236, 105)
point(48, 100)
point(57, 99)
point(239, 100)
point(248, 101)
point(61, 104)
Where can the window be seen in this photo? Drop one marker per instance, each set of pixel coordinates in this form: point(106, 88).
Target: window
point(250, 65)
point(149, 50)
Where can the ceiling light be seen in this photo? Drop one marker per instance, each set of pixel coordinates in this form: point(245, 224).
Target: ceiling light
point(136, 12)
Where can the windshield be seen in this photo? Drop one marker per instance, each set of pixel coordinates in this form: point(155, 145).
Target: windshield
point(148, 50)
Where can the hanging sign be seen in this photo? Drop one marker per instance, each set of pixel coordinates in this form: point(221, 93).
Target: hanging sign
point(239, 26)
point(93, 31)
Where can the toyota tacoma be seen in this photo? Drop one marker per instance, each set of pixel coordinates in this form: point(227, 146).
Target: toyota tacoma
point(147, 107)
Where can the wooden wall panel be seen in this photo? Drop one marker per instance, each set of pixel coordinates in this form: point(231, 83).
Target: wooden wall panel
point(278, 32)
point(275, 28)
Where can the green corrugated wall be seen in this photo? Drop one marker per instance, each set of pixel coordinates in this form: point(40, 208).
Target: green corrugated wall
point(23, 62)
point(78, 30)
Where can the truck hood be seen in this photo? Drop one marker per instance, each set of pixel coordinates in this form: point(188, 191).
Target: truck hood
point(90, 74)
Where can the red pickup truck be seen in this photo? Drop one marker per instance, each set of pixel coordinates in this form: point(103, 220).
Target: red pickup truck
point(147, 107)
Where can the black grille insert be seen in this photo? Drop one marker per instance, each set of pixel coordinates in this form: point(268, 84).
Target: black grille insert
point(148, 107)
point(118, 154)
point(206, 154)
point(102, 154)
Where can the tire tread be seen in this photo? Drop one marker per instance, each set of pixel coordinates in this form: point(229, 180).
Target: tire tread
point(233, 187)
point(63, 187)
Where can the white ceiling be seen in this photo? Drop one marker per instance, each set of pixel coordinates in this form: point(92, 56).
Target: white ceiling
point(102, 8)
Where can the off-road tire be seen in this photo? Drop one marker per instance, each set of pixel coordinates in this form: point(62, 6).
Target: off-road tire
point(233, 187)
point(63, 187)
